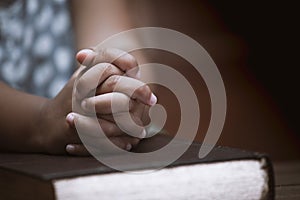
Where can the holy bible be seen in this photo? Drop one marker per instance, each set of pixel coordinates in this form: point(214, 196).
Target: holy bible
point(225, 173)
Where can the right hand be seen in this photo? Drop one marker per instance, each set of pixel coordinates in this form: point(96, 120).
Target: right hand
point(101, 78)
point(54, 135)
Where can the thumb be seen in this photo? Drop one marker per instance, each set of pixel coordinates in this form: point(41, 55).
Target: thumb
point(85, 56)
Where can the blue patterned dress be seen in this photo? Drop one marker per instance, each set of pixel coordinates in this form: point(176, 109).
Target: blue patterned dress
point(36, 45)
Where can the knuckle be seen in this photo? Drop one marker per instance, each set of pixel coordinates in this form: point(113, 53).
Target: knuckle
point(130, 60)
point(110, 130)
point(113, 81)
point(98, 69)
point(109, 70)
point(90, 103)
point(144, 91)
point(103, 52)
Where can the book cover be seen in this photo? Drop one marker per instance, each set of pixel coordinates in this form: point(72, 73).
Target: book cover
point(223, 173)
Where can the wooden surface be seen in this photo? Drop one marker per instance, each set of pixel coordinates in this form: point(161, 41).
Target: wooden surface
point(287, 180)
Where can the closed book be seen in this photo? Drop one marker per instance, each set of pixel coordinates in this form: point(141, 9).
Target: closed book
point(225, 173)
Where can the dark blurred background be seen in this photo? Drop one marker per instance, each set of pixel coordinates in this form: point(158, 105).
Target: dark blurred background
point(255, 46)
point(270, 30)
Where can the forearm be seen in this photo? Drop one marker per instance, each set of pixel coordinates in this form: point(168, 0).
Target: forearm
point(19, 116)
point(95, 21)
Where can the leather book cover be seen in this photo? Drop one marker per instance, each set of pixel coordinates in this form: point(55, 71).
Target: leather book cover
point(49, 167)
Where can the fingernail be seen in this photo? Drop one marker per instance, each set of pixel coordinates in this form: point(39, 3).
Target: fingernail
point(70, 148)
point(70, 118)
point(85, 56)
point(153, 100)
point(87, 51)
point(128, 147)
point(83, 104)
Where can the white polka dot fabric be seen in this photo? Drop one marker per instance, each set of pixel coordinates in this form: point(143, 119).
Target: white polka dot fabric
point(36, 45)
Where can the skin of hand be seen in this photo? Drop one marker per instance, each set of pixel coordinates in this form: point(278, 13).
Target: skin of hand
point(131, 93)
point(35, 124)
point(31, 123)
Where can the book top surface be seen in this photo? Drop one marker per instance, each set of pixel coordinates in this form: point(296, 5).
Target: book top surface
point(48, 167)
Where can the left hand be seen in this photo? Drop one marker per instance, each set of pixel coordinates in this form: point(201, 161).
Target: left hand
point(102, 79)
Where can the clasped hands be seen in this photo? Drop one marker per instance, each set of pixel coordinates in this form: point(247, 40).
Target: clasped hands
point(95, 89)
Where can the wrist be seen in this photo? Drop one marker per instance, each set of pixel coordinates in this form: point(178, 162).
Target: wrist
point(37, 136)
